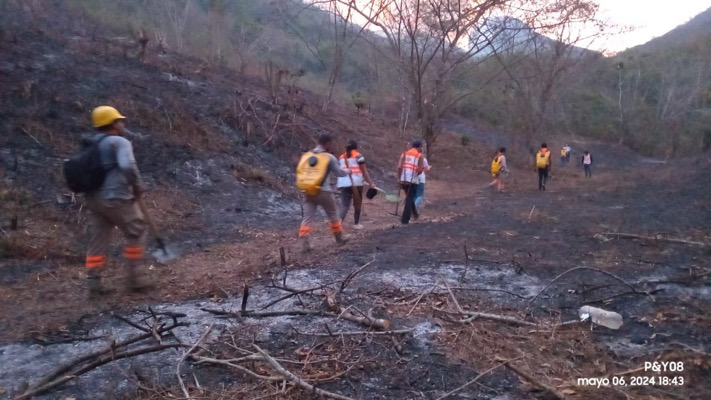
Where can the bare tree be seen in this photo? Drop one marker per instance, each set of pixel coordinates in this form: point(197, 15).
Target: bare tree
point(338, 33)
point(170, 15)
point(431, 41)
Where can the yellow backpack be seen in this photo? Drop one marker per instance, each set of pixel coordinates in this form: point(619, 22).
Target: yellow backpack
point(496, 165)
point(542, 159)
point(311, 172)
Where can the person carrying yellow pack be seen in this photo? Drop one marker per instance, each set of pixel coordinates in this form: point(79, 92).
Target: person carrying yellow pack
point(498, 165)
point(563, 156)
point(543, 164)
point(312, 180)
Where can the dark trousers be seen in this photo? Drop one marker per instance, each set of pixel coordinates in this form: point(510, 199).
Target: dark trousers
point(346, 199)
point(410, 207)
point(588, 170)
point(542, 178)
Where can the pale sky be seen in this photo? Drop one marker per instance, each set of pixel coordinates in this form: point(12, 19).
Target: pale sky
point(651, 18)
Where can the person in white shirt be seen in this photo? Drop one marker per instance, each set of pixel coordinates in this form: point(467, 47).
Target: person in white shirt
point(420, 197)
point(351, 187)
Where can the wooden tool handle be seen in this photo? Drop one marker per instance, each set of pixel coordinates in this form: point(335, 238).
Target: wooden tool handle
point(147, 217)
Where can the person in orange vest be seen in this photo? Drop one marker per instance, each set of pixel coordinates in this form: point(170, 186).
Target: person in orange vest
point(543, 165)
point(587, 164)
point(410, 166)
point(114, 203)
point(498, 165)
point(351, 187)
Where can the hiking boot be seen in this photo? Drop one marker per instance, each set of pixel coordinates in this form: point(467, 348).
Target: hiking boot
point(305, 245)
point(136, 284)
point(341, 239)
point(96, 289)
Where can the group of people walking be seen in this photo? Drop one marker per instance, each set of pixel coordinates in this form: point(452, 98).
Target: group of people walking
point(107, 173)
point(312, 176)
point(543, 165)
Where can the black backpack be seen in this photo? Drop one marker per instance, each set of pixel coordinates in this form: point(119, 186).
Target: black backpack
point(85, 172)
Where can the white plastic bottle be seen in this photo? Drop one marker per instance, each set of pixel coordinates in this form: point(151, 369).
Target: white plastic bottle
point(609, 319)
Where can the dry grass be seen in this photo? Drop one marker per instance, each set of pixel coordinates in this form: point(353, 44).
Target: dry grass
point(250, 173)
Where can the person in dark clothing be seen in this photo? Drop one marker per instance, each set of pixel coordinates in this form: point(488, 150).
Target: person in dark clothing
point(409, 168)
point(587, 161)
point(543, 165)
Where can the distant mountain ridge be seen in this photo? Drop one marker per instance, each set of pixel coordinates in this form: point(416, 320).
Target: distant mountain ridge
point(697, 28)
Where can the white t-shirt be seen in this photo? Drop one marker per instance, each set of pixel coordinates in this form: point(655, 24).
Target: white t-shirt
point(421, 177)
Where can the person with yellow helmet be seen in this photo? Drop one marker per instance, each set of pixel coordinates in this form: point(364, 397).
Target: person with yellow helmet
point(113, 202)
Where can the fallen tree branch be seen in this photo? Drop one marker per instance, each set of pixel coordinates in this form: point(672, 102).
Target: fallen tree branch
point(343, 313)
point(296, 380)
point(654, 238)
point(104, 359)
point(584, 268)
point(472, 316)
point(623, 294)
point(231, 364)
point(488, 290)
point(355, 333)
point(64, 369)
point(534, 381)
point(377, 323)
point(295, 292)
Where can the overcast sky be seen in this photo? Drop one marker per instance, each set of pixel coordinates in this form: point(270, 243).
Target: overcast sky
point(651, 18)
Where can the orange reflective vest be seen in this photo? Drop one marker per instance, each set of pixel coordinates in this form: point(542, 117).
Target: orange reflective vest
point(410, 160)
point(353, 163)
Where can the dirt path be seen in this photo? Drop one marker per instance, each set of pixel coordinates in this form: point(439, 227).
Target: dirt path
point(516, 241)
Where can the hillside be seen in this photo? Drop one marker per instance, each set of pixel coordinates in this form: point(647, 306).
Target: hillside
point(698, 28)
point(478, 298)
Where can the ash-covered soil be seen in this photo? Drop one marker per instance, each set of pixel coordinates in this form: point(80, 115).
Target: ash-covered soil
point(225, 198)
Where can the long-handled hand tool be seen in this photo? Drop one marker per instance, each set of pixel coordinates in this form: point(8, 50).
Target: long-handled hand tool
point(163, 255)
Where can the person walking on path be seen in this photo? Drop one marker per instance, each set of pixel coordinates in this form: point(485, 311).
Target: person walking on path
point(320, 161)
point(543, 165)
point(351, 187)
point(498, 165)
point(420, 196)
point(409, 168)
point(567, 153)
point(587, 164)
point(114, 203)
point(563, 156)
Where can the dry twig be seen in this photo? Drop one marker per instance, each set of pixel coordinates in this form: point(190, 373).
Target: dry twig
point(187, 353)
point(534, 381)
point(654, 238)
point(632, 288)
point(464, 386)
point(296, 380)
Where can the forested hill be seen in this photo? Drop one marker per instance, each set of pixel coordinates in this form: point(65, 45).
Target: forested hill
point(697, 29)
point(654, 98)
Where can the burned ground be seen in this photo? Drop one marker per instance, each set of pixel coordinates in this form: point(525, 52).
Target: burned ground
point(224, 195)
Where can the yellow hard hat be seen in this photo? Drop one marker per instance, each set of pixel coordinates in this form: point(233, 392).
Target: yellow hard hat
point(105, 115)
